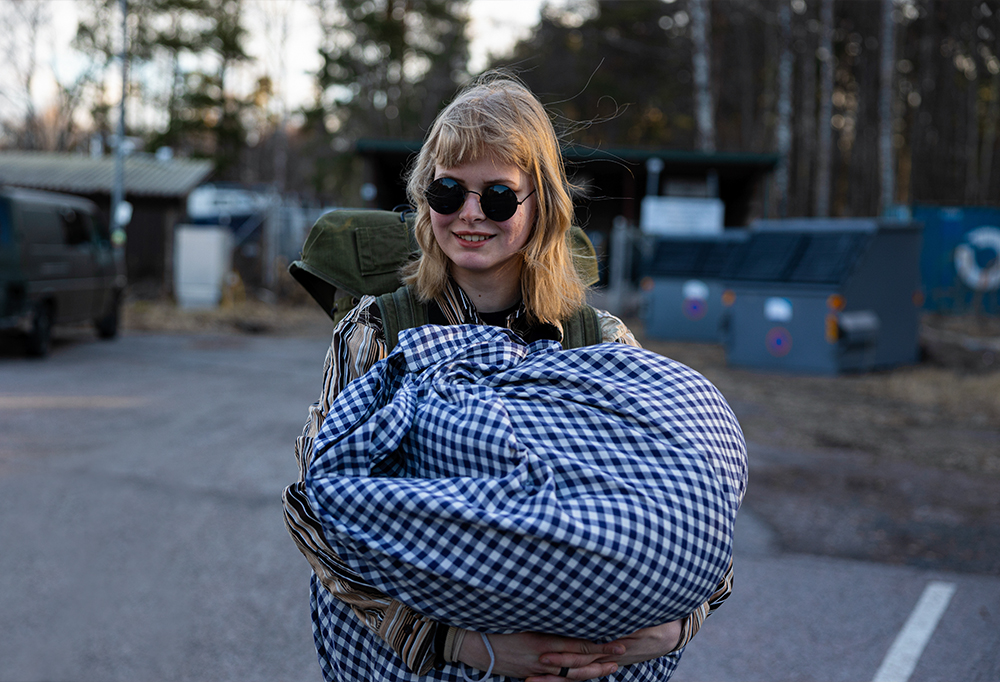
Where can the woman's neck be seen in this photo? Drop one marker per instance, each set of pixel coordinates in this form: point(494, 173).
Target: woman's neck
point(491, 293)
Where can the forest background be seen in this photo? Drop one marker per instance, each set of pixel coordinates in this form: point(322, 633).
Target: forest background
point(870, 104)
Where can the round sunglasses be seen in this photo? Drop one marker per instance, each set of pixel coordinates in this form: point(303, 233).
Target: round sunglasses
point(499, 202)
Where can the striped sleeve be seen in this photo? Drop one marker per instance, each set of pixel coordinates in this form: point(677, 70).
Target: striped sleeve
point(358, 343)
point(693, 623)
point(613, 330)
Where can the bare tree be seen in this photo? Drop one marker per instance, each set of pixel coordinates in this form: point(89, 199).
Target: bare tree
point(275, 17)
point(23, 21)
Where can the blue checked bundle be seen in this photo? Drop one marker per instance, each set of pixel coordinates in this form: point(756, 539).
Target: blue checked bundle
point(501, 487)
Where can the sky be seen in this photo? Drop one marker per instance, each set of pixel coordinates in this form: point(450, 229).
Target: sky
point(495, 26)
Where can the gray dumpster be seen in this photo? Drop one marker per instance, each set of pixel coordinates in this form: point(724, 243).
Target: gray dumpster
point(824, 296)
point(681, 289)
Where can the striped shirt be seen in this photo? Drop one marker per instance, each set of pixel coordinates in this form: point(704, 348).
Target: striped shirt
point(358, 343)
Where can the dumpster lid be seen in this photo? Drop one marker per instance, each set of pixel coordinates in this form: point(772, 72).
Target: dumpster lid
point(690, 257)
point(823, 256)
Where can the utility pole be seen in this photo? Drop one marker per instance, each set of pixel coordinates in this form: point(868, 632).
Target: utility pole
point(118, 221)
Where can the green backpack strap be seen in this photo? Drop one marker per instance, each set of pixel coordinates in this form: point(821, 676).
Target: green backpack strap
point(582, 328)
point(400, 310)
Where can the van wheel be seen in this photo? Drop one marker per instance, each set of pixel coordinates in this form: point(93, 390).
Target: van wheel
point(107, 326)
point(40, 334)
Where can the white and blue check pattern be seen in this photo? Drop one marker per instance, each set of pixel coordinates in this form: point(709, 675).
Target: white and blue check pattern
point(501, 487)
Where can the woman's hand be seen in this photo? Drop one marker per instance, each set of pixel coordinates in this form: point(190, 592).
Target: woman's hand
point(642, 645)
point(519, 655)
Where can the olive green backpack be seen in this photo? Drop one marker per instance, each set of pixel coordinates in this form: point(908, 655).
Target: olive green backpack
point(351, 253)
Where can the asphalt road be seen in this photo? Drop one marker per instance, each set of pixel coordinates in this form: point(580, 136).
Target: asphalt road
point(141, 538)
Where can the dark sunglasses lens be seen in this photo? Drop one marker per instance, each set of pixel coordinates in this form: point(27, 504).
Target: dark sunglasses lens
point(445, 196)
point(499, 202)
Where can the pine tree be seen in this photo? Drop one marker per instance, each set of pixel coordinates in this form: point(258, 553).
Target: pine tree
point(388, 66)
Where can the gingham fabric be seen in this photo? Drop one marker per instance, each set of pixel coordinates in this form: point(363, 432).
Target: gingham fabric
point(504, 487)
point(350, 651)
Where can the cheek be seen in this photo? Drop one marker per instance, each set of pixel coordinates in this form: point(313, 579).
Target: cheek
point(439, 223)
point(522, 233)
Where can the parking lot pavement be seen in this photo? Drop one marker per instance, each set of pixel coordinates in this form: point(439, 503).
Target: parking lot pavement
point(140, 511)
point(141, 535)
point(800, 617)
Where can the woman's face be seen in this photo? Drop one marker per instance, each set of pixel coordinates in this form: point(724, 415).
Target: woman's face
point(482, 250)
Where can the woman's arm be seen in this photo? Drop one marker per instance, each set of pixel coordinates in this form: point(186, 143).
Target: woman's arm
point(583, 659)
point(358, 342)
point(522, 655)
point(643, 645)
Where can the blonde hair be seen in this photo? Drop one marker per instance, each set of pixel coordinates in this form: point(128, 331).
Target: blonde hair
point(498, 116)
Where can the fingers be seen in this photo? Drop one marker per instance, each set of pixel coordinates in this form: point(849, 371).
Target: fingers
point(579, 660)
point(588, 672)
point(569, 645)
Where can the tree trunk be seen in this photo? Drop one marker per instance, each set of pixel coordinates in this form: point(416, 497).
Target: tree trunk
point(989, 140)
point(972, 142)
point(806, 138)
point(701, 31)
point(824, 160)
point(885, 115)
point(783, 131)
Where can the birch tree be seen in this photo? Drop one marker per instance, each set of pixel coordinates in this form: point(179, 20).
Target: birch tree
point(701, 38)
point(886, 96)
point(805, 134)
point(783, 128)
point(824, 157)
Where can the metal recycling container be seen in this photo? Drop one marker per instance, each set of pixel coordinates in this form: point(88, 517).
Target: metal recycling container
point(960, 260)
point(824, 296)
point(681, 289)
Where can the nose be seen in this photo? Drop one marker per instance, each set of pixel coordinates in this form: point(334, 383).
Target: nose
point(471, 210)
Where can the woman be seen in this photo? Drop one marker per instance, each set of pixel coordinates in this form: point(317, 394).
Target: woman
point(493, 209)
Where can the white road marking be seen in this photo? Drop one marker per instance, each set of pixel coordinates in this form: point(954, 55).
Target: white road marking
point(902, 657)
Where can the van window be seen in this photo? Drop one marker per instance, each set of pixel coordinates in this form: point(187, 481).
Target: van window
point(76, 227)
point(6, 228)
point(44, 226)
point(101, 228)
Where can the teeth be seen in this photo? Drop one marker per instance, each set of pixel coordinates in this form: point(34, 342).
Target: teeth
point(473, 238)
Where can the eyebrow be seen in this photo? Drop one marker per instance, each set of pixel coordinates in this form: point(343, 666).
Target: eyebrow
point(510, 183)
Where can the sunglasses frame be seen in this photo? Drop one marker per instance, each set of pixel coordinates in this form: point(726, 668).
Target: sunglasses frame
point(488, 208)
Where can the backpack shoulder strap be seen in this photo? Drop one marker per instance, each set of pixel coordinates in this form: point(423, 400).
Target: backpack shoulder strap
point(400, 310)
point(582, 328)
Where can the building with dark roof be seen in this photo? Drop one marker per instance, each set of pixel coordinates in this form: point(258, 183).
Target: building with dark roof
point(614, 181)
point(157, 188)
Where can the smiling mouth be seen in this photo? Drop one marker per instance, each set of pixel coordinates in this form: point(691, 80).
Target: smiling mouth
point(474, 237)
